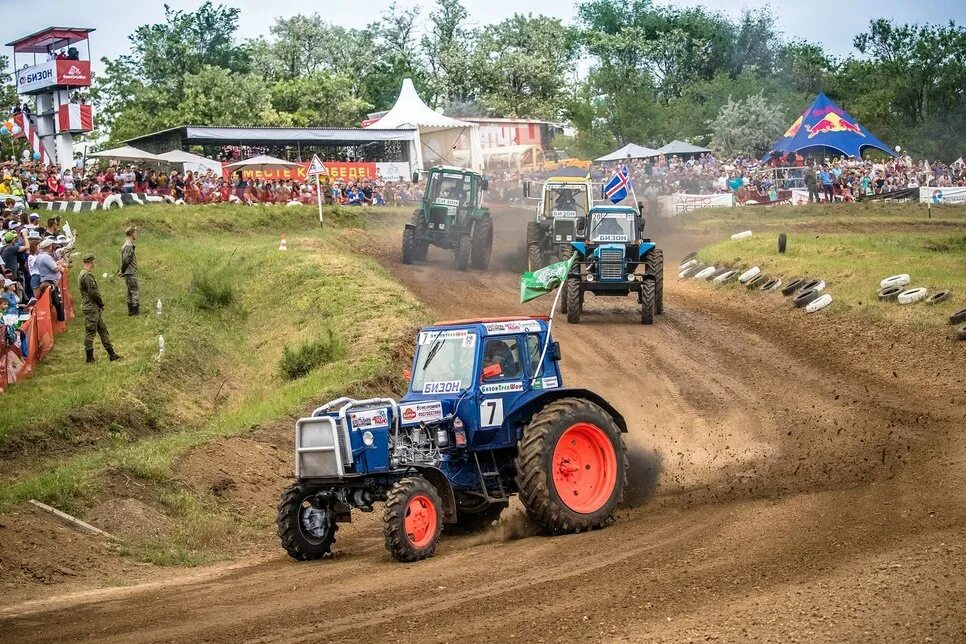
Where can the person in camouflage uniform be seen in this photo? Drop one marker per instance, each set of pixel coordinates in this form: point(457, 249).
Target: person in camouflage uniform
point(93, 307)
point(129, 270)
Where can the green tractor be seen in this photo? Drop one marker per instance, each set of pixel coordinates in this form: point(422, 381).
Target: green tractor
point(451, 216)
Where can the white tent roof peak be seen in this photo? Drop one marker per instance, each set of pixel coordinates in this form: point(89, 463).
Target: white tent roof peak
point(411, 111)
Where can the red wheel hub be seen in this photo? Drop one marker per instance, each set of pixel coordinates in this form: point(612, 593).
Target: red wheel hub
point(420, 522)
point(584, 468)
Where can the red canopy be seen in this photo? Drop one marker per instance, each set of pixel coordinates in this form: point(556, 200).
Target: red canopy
point(42, 41)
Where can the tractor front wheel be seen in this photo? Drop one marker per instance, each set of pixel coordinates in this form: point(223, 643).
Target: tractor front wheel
point(307, 532)
point(654, 262)
point(574, 300)
point(408, 246)
point(647, 301)
point(571, 467)
point(413, 519)
point(482, 243)
point(464, 250)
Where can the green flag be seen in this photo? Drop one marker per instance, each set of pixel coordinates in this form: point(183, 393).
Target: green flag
point(533, 284)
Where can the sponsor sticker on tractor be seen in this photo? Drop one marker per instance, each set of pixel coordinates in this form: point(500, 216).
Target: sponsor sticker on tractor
point(563, 213)
point(429, 337)
point(501, 388)
point(442, 387)
point(422, 412)
point(370, 418)
point(612, 238)
point(546, 383)
point(447, 202)
point(513, 326)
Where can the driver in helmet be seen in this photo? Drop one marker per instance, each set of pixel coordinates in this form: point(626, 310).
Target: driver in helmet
point(496, 351)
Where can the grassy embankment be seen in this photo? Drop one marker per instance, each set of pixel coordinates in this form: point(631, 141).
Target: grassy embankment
point(852, 247)
point(232, 305)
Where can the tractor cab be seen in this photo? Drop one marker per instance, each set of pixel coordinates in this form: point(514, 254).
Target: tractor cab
point(561, 217)
point(451, 193)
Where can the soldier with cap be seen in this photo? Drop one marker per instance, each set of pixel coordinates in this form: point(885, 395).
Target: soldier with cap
point(93, 307)
point(129, 270)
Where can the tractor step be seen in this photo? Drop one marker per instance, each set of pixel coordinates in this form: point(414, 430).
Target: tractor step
point(493, 494)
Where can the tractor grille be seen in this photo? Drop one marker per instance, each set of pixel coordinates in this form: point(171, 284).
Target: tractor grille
point(611, 264)
point(438, 215)
point(563, 230)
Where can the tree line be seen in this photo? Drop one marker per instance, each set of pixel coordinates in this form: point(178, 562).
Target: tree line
point(625, 70)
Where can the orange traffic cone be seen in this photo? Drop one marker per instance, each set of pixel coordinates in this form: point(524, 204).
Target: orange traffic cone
point(283, 245)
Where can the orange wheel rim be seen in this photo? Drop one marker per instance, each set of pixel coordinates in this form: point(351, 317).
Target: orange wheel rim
point(420, 522)
point(584, 468)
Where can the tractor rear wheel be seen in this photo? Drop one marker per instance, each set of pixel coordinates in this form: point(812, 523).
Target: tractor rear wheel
point(574, 300)
point(534, 256)
point(654, 262)
point(464, 250)
point(413, 519)
point(408, 246)
point(647, 301)
point(482, 243)
point(307, 532)
point(571, 467)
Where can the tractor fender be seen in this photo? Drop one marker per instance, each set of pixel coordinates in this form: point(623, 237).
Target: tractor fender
point(522, 414)
point(645, 248)
point(439, 481)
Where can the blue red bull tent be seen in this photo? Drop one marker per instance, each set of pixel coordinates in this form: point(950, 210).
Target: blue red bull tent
point(826, 129)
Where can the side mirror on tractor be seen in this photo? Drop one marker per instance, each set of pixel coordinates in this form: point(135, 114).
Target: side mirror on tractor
point(555, 351)
point(526, 189)
point(492, 371)
point(484, 184)
point(416, 177)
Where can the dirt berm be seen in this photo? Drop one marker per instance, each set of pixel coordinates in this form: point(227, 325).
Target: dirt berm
point(796, 479)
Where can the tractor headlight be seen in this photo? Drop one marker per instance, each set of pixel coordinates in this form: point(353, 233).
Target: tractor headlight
point(368, 439)
point(557, 238)
point(590, 278)
point(570, 237)
point(457, 423)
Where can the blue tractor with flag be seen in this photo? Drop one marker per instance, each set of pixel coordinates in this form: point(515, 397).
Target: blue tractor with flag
point(485, 416)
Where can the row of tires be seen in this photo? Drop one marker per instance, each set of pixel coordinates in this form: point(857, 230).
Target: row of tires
point(805, 293)
point(895, 288)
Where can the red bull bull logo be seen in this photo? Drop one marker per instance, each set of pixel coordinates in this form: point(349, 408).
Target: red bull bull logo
point(832, 122)
point(794, 128)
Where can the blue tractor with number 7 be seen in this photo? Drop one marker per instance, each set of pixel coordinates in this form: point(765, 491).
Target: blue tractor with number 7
point(485, 417)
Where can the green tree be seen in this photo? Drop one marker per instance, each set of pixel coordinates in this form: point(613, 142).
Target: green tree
point(318, 99)
point(216, 95)
point(447, 48)
point(747, 127)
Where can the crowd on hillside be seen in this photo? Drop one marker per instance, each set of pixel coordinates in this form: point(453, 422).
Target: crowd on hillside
point(838, 178)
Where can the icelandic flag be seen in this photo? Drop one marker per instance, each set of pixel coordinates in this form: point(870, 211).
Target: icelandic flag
point(616, 188)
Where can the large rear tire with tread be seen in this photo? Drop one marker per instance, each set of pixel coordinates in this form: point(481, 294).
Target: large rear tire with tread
point(420, 248)
point(482, 243)
point(534, 256)
point(413, 519)
point(571, 467)
point(464, 251)
point(408, 246)
point(654, 262)
point(648, 295)
point(306, 532)
point(574, 304)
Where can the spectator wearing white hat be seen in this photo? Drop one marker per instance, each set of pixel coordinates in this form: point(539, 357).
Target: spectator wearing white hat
point(46, 266)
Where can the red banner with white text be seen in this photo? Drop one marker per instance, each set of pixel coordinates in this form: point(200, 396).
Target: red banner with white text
point(345, 171)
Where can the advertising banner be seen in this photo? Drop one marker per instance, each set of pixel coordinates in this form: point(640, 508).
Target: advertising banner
point(343, 171)
point(939, 196)
point(74, 117)
point(75, 73)
point(678, 204)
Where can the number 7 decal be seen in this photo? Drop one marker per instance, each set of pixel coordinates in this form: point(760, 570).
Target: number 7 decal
point(491, 412)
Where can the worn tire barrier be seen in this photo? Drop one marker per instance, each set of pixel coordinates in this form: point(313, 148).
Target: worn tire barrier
point(818, 304)
point(805, 298)
point(961, 332)
point(689, 257)
point(749, 274)
point(113, 201)
point(725, 277)
point(939, 296)
point(912, 295)
point(782, 242)
point(687, 264)
point(896, 280)
point(889, 293)
point(745, 234)
point(958, 317)
point(706, 273)
point(771, 285)
point(756, 281)
point(815, 285)
point(794, 285)
point(691, 272)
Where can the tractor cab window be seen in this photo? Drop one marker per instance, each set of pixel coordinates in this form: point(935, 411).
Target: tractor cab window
point(444, 361)
point(566, 201)
point(450, 189)
point(534, 348)
point(506, 353)
point(612, 227)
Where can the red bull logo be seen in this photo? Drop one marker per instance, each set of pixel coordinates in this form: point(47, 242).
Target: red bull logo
point(832, 122)
point(793, 130)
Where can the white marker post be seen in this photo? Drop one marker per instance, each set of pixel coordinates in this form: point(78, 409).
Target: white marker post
point(318, 169)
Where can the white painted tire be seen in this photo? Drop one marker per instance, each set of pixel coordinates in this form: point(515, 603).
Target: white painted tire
point(818, 288)
point(896, 280)
point(179, 202)
point(294, 203)
point(749, 274)
point(688, 264)
point(819, 304)
point(113, 201)
point(772, 287)
point(912, 295)
point(706, 273)
point(724, 277)
point(168, 199)
point(745, 234)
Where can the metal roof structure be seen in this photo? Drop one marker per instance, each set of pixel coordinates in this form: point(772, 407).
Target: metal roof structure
point(42, 41)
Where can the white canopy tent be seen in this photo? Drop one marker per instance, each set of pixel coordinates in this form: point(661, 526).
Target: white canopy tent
point(631, 150)
point(438, 134)
point(192, 162)
point(126, 153)
point(680, 147)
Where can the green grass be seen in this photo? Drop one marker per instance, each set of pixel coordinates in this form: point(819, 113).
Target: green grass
point(852, 252)
point(69, 425)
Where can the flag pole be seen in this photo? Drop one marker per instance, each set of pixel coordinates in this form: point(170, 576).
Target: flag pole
point(546, 342)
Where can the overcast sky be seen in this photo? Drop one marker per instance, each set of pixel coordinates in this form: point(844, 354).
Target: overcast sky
point(830, 22)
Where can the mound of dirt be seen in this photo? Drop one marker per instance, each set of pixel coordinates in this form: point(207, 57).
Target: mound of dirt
point(129, 518)
point(38, 548)
point(247, 473)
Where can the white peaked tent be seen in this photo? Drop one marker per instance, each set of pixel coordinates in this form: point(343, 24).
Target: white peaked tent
point(631, 150)
point(189, 161)
point(438, 134)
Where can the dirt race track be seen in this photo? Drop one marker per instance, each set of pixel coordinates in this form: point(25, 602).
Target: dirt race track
point(794, 479)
